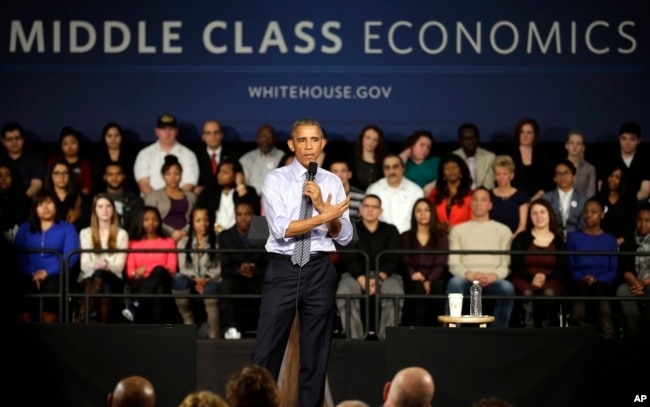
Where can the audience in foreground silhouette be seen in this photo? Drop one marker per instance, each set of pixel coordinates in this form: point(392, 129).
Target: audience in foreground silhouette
point(411, 387)
point(132, 391)
point(252, 386)
point(203, 398)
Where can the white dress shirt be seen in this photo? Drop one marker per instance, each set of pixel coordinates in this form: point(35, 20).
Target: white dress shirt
point(151, 159)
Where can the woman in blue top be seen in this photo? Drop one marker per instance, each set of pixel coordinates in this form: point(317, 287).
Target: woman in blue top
point(593, 275)
point(41, 271)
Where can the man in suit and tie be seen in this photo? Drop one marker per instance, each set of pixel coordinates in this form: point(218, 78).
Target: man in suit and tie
point(479, 160)
point(566, 201)
point(211, 155)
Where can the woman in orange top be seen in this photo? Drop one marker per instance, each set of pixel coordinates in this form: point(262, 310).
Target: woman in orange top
point(453, 192)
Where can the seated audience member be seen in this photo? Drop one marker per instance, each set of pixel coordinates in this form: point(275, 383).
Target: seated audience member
point(127, 203)
point(490, 270)
point(173, 202)
point(132, 391)
point(533, 174)
point(28, 164)
point(537, 272)
point(203, 398)
point(242, 272)
point(41, 271)
point(423, 273)
point(112, 149)
point(353, 403)
point(370, 149)
point(151, 158)
point(342, 169)
point(74, 206)
point(620, 206)
point(81, 171)
point(411, 387)
point(253, 386)
point(585, 181)
point(397, 194)
point(636, 274)
point(420, 166)
point(264, 158)
point(211, 154)
point(14, 204)
point(199, 271)
point(592, 275)
point(452, 194)
point(286, 159)
point(636, 162)
point(509, 204)
point(478, 160)
point(567, 202)
point(101, 272)
point(150, 272)
point(221, 197)
point(375, 237)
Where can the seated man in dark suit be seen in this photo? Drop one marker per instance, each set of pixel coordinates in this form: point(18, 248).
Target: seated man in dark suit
point(211, 153)
point(241, 273)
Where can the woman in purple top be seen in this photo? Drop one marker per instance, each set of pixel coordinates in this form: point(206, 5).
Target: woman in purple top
point(424, 273)
point(593, 275)
point(173, 202)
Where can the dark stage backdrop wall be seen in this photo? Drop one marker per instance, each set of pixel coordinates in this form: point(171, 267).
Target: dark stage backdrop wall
point(400, 64)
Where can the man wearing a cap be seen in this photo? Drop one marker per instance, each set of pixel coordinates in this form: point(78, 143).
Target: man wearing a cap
point(151, 158)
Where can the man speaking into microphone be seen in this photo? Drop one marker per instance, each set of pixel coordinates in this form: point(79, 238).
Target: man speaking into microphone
point(306, 209)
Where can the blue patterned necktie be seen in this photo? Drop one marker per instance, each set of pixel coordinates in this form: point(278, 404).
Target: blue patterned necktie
point(302, 249)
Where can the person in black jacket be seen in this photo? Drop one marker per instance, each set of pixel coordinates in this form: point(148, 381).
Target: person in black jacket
point(375, 237)
point(211, 154)
point(241, 273)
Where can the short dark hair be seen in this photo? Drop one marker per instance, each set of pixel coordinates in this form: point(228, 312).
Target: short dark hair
point(372, 196)
point(567, 163)
point(11, 126)
point(468, 126)
point(630, 127)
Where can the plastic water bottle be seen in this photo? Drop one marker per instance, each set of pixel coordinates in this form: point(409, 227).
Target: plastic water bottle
point(475, 309)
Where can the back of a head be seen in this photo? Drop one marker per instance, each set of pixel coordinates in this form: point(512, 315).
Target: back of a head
point(203, 398)
point(132, 391)
point(353, 403)
point(253, 386)
point(411, 387)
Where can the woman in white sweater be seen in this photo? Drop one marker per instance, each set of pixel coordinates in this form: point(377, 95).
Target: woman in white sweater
point(101, 271)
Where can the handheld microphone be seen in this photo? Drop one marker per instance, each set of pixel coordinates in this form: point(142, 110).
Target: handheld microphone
point(311, 171)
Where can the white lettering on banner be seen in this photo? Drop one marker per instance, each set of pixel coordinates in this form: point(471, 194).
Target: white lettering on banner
point(75, 47)
point(111, 48)
point(401, 37)
point(169, 36)
point(319, 92)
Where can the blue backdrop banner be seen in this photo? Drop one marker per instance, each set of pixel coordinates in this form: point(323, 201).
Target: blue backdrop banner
point(402, 65)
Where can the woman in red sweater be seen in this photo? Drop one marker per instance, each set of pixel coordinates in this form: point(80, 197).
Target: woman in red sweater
point(151, 271)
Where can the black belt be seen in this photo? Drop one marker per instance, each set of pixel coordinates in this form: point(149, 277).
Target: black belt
point(287, 257)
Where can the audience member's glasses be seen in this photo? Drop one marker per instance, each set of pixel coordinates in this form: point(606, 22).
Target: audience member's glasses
point(562, 173)
point(60, 173)
point(389, 167)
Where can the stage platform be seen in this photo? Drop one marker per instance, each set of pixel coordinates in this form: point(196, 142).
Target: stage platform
point(76, 365)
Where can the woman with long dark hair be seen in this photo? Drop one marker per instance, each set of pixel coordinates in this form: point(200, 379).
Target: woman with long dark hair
point(423, 273)
point(199, 270)
point(41, 271)
point(453, 192)
point(73, 205)
point(539, 271)
point(620, 206)
point(80, 168)
point(150, 272)
point(370, 149)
